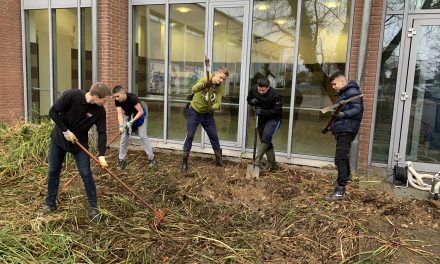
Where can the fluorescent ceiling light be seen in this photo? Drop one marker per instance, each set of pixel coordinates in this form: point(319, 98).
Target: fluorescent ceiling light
point(183, 9)
point(331, 4)
point(262, 6)
point(280, 21)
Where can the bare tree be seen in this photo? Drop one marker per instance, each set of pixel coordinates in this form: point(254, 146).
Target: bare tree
point(394, 43)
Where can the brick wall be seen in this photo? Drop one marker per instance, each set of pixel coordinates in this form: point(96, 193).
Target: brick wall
point(11, 69)
point(113, 51)
point(370, 68)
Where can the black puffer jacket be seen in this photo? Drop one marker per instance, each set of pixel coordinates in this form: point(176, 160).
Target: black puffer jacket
point(353, 111)
point(271, 103)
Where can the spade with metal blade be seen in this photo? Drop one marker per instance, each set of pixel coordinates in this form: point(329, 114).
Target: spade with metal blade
point(253, 171)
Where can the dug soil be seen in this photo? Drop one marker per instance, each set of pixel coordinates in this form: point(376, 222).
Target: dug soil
point(215, 215)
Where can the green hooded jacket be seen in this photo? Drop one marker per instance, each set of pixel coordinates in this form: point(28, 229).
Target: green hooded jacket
point(199, 102)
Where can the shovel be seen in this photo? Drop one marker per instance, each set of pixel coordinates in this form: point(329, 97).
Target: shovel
point(253, 172)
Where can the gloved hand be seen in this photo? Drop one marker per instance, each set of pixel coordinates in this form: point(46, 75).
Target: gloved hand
point(255, 101)
point(102, 162)
point(207, 84)
point(121, 128)
point(70, 136)
point(128, 124)
point(258, 111)
point(339, 115)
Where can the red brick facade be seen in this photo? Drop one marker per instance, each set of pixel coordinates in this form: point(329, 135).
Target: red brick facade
point(369, 75)
point(113, 50)
point(11, 63)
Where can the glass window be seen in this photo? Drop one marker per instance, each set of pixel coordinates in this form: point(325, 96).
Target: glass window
point(187, 46)
point(387, 87)
point(322, 51)
point(227, 52)
point(425, 4)
point(65, 39)
point(86, 49)
point(395, 5)
point(423, 142)
point(273, 43)
point(37, 50)
point(149, 63)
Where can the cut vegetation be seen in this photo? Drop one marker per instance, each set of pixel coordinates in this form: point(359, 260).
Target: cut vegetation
point(212, 215)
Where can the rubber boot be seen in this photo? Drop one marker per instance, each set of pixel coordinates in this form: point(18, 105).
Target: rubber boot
point(262, 149)
point(270, 154)
point(218, 157)
point(184, 167)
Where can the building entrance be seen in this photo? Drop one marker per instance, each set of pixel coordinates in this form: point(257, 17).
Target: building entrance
point(227, 46)
point(419, 98)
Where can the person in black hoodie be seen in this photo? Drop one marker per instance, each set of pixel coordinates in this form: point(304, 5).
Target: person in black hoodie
point(269, 108)
point(344, 128)
point(74, 113)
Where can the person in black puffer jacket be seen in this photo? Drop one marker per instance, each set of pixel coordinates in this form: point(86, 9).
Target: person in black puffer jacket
point(269, 108)
point(345, 128)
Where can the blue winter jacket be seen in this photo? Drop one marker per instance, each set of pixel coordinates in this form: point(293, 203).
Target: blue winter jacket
point(353, 111)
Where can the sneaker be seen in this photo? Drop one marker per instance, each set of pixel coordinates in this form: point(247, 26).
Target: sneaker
point(93, 214)
point(48, 209)
point(338, 194)
point(152, 162)
point(121, 165)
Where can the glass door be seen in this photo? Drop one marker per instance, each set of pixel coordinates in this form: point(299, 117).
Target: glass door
point(420, 134)
point(227, 45)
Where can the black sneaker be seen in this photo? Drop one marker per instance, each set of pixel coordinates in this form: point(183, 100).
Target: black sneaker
point(152, 162)
point(338, 194)
point(93, 214)
point(121, 165)
point(48, 209)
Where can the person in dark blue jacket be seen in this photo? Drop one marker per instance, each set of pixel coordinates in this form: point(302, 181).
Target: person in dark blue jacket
point(345, 128)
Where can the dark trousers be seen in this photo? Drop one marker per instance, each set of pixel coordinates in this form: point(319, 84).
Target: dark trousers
point(56, 158)
point(266, 130)
point(342, 156)
point(208, 123)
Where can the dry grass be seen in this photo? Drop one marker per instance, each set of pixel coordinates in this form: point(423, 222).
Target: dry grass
point(214, 215)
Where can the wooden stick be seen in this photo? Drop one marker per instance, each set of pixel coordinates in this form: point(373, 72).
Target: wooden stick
point(158, 214)
point(76, 175)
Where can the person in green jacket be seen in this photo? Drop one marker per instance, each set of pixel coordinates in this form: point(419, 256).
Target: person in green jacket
point(207, 99)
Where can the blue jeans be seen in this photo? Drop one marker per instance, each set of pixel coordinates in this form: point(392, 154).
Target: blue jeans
point(208, 123)
point(56, 159)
